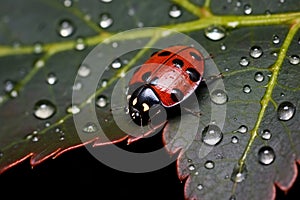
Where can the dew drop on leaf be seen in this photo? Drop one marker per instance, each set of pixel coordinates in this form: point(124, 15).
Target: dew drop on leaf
point(104, 83)
point(215, 33)
point(276, 39)
point(212, 135)
point(219, 97)
point(44, 109)
point(101, 101)
point(65, 28)
point(247, 89)
point(286, 111)
point(106, 1)
point(266, 155)
point(256, 52)
point(90, 128)
point(199, 186)
point(51, 79)
point(68, 3)
point(209, 164)
point(38, 48)
point(9, 86)
point(105, 20)
point(116, 64)
point(77, 86)
point(242, 129)
point(239, 173)
point(232, 197)
point(234, 140)
point(294, 59)
point(266, 134)
point(247, 9)
point(259, 77)
point(175, 11)
point(47, 124)
point(191, 167)
point(244, 61)
point(62, 138)
point(84, 71)
point(73, 109)
point(223, 47)
point(80, 44)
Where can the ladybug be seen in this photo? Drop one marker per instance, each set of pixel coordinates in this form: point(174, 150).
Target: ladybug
point(166, 79)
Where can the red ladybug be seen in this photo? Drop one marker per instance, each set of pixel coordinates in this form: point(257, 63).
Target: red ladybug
point(166, 79)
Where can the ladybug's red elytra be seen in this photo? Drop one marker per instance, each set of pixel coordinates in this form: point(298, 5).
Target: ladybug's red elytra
point(166, 79)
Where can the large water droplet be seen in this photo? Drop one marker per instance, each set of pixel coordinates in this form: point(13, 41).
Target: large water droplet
point(175, 11)
point(209, 164)
point(219, 97)
point(212, 135)
point(90, 128)
point(266, 134)
point(244, 61)
point(105, 20)
point(84, 71)
point(259, 77)
point(44, 109)
point(266, 155)
point(247, 89)
point(247, 9)
point(66, 28)
point(286, 111)
point(101, 101)
point(215, 33)
point(239, 173)
point(294, 59)
point(51, 79)
point(276, 39)
point(256, 52)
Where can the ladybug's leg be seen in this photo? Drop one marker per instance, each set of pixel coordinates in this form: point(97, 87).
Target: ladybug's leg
point(193, 112)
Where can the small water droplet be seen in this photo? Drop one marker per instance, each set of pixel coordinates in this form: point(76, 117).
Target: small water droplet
point(77, 86)
point(276, 39)
point(51, 79)
point(105, 20)
point(266, 155)
point(44, 109)
point(199, 186)
point(140, 24)
point(1, 154)
point(47, 124)
point(223, 47)
point(294, 59)
point(192, 167)
point(104, 83)
point(266, 134)
point(239, 173)
point(61, 137)
point(101, 101)
point(234, 140)
point(39, 63)
point(84, 70)
point(38, 48)
point(232, 197)
point(215, 33)
point(247, 9)
point(175, 11)
point(244, 61)
point(9, 86)
point(281, 1)
point(80, 44)
point(212, 135)
point(116, 64)
point(209, 164)
point(106, 1)
point(90, 128)
point(66, 28)
point(282, 94)
point(114, 44)
point(219, 97)
point(242, 129)
point(256, 52)
point(247, 89)
point(68, 3)
point(286, 111)
point(35, 138)
point(73, 109)
point(259, 77)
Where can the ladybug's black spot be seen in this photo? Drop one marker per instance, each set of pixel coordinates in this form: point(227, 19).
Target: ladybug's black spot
point(146, 76)
point(178, 63)
point(164, 53)
point(176, 95)
point(195, 56)
point(193, 74)
point(154, 81)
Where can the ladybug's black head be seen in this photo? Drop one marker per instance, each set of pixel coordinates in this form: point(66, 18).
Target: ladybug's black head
point(142, 104)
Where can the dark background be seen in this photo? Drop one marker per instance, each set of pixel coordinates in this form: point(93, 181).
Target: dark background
point(77, 174)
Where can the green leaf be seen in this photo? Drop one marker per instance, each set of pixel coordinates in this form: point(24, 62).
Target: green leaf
point(45, 54)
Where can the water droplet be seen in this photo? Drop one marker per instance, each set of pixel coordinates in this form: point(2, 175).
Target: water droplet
point(266, 155)
point(84, 71)
point(239, 173)
point(242, 129)
point(105, 20)
point(215, 33)
point(80, 44)
point(286, 111)
point(90, 128)
point(281, 1)
point(234, 140)
point(282, 94)
point(66, 28)
point(77, 86)
point(259, 77)
point(39, 63)
point(244, 62)
point(175, 11)
point(276, 39)
point(140, 24)
point(199, 186)
point(212, 135)
point(209, 164)
point(101, 101)
point(62, 138)
point(104, 83)
point(44, 109)
point(247, 9)
point(223, 47)
point(116, 64)
point(47, 124)
point(219, 97)
point(68, 3)
point(266, 134)
point(73, 109)
point(232, 197)
point(51, 79)
point(1, 154)
point(294, 59)
point(9, 86)
point(38, 48)
point(256, 52)
point(114, 44)
point(106, 1)
point(35, 138)
point(192, 167)
point(247, 89)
